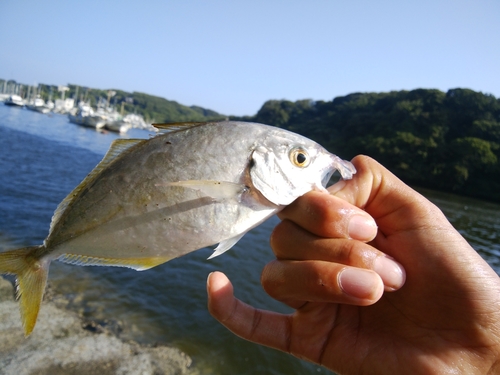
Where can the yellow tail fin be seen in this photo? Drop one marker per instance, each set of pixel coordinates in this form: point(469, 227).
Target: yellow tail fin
point(31, 277)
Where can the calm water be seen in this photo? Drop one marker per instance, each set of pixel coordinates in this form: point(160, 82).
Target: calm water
point(43, 158)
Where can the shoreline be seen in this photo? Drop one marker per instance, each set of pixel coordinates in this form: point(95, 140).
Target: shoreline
point(63, 343)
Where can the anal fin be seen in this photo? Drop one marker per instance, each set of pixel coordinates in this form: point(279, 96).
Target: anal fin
point(138, 264)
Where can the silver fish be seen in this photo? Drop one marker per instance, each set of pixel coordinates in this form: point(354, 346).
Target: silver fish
point(149, 201)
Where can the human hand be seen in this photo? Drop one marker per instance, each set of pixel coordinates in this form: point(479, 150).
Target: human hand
point(445, 319)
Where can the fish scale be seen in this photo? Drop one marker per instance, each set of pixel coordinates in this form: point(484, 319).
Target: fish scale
point(192, 186)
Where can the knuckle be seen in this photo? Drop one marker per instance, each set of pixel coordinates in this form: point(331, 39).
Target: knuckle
point(360, 255)
point(257, 317)
point(270, 279)
point(282, 237)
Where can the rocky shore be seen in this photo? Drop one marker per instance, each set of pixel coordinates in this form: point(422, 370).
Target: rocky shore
point(60, 344)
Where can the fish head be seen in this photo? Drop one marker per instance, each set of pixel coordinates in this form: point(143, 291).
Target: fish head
point(287, 165)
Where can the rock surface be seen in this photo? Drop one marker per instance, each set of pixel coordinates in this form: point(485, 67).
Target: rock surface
point(59, 345)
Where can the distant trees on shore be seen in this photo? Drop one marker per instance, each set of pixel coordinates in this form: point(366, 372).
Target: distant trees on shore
point(447, 141)
point(152, 108)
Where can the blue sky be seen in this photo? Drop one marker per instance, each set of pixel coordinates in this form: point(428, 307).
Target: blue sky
point(232, 56)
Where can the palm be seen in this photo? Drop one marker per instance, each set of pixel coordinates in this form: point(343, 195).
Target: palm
point(407, 331)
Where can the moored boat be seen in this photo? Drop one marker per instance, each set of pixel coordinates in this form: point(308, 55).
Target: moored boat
point(85, 116)
point(14, 100)
point(119, 126)
point(38, 105)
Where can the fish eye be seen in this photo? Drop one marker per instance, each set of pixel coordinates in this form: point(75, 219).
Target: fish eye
point(299, 157)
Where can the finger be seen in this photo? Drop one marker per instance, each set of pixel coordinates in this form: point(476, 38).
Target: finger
point(329, 216)
point(291, 242)
point(297, 282)
point(264, 327)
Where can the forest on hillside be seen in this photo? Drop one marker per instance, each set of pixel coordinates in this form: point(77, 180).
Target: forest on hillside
point(446, 141)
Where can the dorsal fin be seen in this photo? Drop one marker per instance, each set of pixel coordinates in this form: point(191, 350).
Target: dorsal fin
point(177, 126)
point(118, 148)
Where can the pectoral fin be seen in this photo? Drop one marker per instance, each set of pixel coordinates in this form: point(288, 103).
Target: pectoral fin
point(226, 245)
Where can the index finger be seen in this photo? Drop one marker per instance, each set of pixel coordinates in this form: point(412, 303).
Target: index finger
point(328, 216)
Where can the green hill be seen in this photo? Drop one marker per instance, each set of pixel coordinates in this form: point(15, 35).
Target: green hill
point(447, 141)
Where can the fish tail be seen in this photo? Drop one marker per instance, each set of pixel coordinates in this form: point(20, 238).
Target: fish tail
point(31, 277)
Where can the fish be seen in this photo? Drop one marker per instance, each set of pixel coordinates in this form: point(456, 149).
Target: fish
point(152, 200)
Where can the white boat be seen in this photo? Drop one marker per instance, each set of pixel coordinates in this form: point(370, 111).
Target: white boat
point(119, 126)
point(137, 121)
point(14, 100)
point(85, 116)
point(114, 121)
point(38, 105)
point(132, 120)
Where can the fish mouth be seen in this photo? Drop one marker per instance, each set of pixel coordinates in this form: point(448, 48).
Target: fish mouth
point(345, 168)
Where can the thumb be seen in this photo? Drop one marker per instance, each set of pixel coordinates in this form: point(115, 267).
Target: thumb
point(394, 205)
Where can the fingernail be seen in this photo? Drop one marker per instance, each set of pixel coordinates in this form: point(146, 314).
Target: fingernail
point(359, 283)
point(392, 273)
point(362, 228)
point(208, 284)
